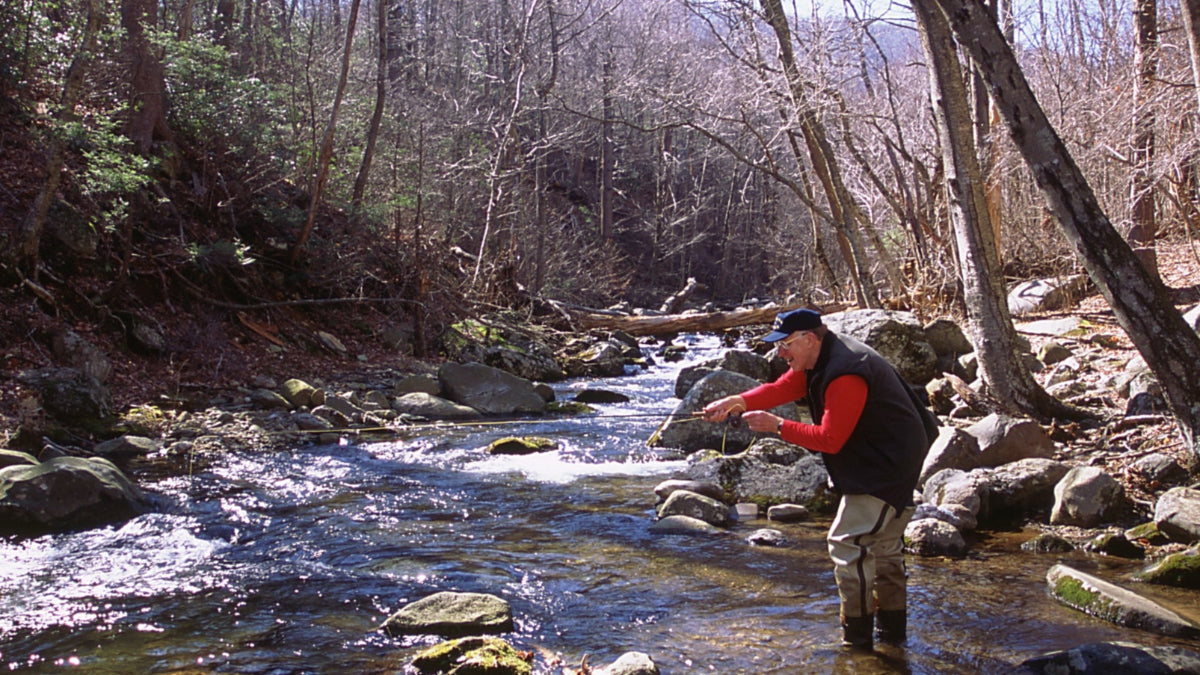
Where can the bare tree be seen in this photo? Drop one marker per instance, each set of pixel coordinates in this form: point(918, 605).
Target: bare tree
point(1145, 226)
point(1139, 301)
point(381, 82)
point(1007, 378)
point(322, 167)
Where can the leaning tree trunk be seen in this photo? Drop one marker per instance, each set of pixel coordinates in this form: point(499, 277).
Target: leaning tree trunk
point(381, 82)
point(1007, 378)
point(1139, 301)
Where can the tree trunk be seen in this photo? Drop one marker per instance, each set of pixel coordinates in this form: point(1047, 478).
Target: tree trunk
point(1139, 301)
point(1141, 235)
point(607, 160)
point(147, 121)
point(1191, 22)
point(381, 81)
point(30, 239)
point(1008, 380)
point(821, 155)
point(327, 141)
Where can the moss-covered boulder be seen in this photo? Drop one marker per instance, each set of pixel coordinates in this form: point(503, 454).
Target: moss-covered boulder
point(472, 656)
point(1117, 605)
point(451, 614)
point(521, 445)
point(1177, 569)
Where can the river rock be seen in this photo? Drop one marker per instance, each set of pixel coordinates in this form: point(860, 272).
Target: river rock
point(66, 493)
point(771, 471)
point(523, 445)
point(898, 336)
point(1086, 497)
point(1047, 542)
point(70, 395)
point(1004, 439)
point(953, 449)
point(471, 656)
point(451, 614)
point(1039, 295)
point(693, 505)
point(683, 525)
point(956, 514)
point(933, 537)
point(299, 393)
point(688, 434)
point(706, 488)
point(489, 390)
point(266, 399)
point(1159, 468)
point(432, 407)
point(601, 359)
point(1177, 514)
point(16, 458)
point(1019, 489)
point(1112, 603)
point(126, 447)
point(1178, 569)
point(1114, 544)
point(787, 513)
point(947, 338)
point(1115, 658)
point(766, 537)
point(630, 663)
point(600, 396)
point(75, 351)
point(419, 383)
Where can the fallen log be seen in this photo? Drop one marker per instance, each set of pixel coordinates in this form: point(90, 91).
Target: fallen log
point(683, 323)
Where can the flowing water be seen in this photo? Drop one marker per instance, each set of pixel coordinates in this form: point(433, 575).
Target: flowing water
point(286, 563)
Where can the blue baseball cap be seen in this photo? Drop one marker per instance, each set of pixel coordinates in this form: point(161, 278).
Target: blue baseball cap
point(787, 323)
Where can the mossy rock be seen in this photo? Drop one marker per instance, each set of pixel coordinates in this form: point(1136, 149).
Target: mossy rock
point(521, 445)
point(148, 421)
point(569, 407)
point(1178, 569)
point(472, 656)
point(1147, 532)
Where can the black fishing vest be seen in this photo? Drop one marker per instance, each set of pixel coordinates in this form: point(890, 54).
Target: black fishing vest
point(884, 454)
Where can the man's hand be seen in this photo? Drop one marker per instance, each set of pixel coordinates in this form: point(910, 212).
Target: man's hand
point(720, 409)
point(761, 421)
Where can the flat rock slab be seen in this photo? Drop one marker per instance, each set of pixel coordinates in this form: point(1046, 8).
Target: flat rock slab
point(1110, 602)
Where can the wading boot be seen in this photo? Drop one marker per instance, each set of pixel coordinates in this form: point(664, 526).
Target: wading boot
point(856, 632)
point(891, 626)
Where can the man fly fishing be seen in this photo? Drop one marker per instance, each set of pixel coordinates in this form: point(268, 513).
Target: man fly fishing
point(873, 434)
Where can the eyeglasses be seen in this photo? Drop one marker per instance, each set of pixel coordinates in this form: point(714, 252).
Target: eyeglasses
point(784, 344)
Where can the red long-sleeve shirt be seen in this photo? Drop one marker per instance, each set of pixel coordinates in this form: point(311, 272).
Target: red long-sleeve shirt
point(844, 401)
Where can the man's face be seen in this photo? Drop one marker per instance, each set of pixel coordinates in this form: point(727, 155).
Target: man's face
point(797, 350)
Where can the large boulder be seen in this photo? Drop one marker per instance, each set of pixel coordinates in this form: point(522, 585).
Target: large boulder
point(1177, 569)
point(738, 361)
point(451, 614)
point(630, 663)
point(432, 407)
point(66, 493)
point(489, 390)
point(770, 471)
point(1177, 514)
point(953, 449)
point(898, 336)
point(690, 434)
point(70, 395)
point(1086, 497)
point(933, 537)
point(1004, 439)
